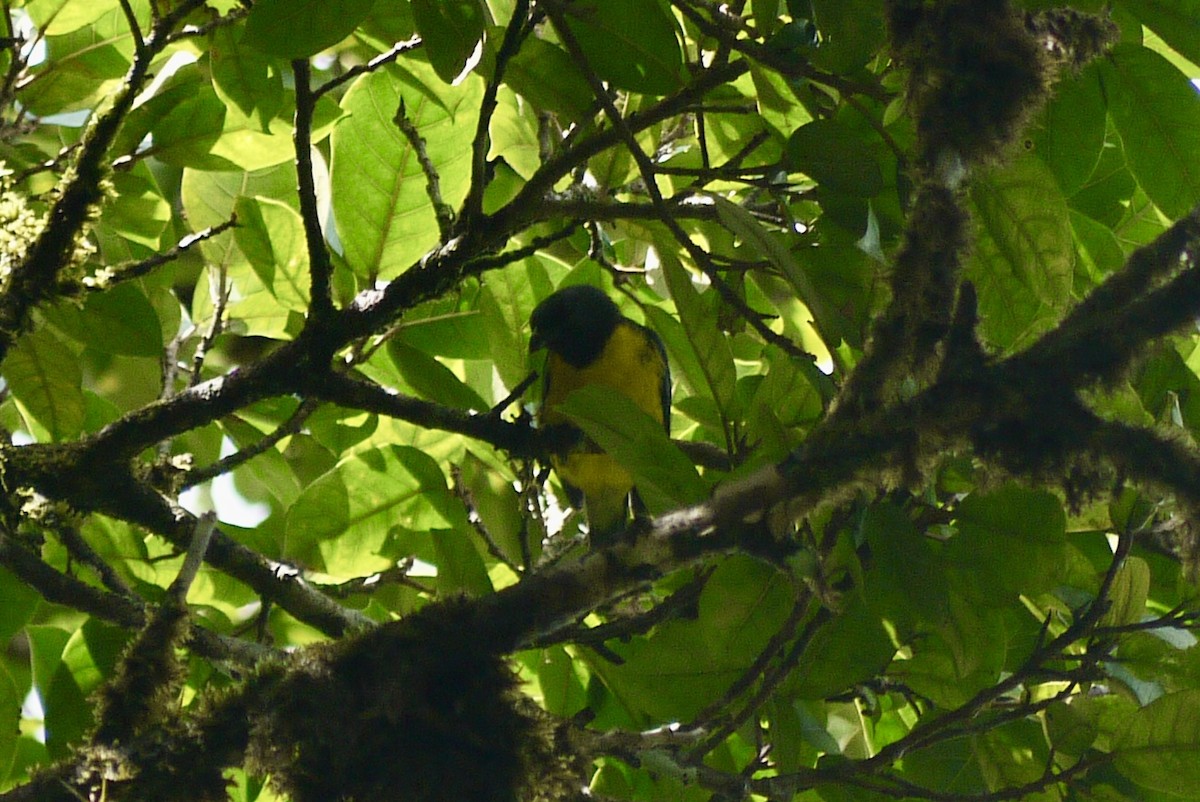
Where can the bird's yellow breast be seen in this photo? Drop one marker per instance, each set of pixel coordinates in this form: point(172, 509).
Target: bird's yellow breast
point(631, 364)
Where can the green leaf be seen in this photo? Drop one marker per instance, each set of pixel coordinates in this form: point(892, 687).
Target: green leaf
point(138, 212)
point(67, 713)
point(851, 648)
point(707, 340)
point(957, 656)
point(664, 476)
point(505, 304)
point(44, 377)
point(82, 66)
point(10, 721)
point(1010, 541)
point(1098, 250)
point(192, 127)
point(1070, 136)
point(294, 29)
point(851, 32)
point(56, 17)
point(499, 507)
point(271, 235)
point(773, 246)
point(433, 380)
point(560, 678)
point(385, 218)
point(343, 522)
point(743, 604)
point(632, 44)
point(545, 75)
point(461, 569)
point(119, 320)
point(514, 136)
point(17, 602)
point(1173, 20)
point(209, 198)
point(833, 155)
point(451, 30)
point(244, 78)
point(1130, 589)
point(1156, 110)
point(1160, 747)
point(1022, 261)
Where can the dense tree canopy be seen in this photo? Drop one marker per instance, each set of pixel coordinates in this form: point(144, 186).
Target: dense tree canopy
point(275, 518)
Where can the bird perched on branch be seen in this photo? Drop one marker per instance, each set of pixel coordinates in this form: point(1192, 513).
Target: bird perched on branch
point(589, 342)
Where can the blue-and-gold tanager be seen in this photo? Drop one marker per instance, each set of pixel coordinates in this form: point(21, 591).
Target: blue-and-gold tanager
point(588, 342)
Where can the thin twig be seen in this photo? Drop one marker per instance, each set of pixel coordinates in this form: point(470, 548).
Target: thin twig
point(514, 35)
point(477, 524)
point(387, 57)
point(82, 552)
point(433, 186)
point(133, 270)
point(226, 464)
point(215, 326)
point(196, 31)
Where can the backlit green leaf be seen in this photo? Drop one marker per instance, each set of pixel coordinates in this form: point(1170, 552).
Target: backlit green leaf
point(44, 377)
point(1157, 112)
point(1160, 747)
point(300, 28)
point(1022, 260)
point(631, 43)
point(385, 218)
point(451, 30)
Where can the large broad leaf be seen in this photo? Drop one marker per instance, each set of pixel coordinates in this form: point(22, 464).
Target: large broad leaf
point(300, 28)
point(1173, 20)
point(10, 720)
point(45, 378)
point(245, 78)
point(191, 126)
point(707, 341)
point(433, 380)
point(82, 66)
point(834, 155)
point(56, 17)
point(505, 304)
point(343, 522)
point(1009, 542)
point(17, 602)
point(451, 30)
point(138, 212)
point(1023, 258)
point(664, 476)
point(209, 198)
point(271, 235)
point(385, 218)
point(632, 44)
point(851, 32)
point(1160, 748)
point(1157, 112)
point(772, 245)
point(544, 74)
point(119, 320)
point(1071, 134)
point(670, 674)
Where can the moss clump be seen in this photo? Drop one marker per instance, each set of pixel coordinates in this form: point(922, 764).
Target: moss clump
point(415, 711)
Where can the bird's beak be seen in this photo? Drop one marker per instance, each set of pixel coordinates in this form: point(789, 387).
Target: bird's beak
point(536, 342)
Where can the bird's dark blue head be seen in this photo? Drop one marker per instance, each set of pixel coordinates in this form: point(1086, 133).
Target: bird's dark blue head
point(574, 323)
